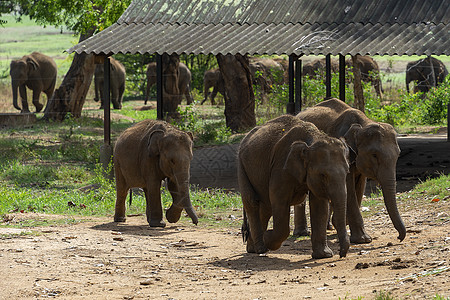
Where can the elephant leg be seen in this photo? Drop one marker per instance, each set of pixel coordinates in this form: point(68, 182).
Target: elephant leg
point(280, 232)
point(187, 94)
point(115, 98)
point(319, 220)
point(23, 96)
point(355, 187)
point(121, 196)
point(120, 97)
point(213, 95)
point(154, 209)
point(300, 222)
point(255, 242)
point(39, 106)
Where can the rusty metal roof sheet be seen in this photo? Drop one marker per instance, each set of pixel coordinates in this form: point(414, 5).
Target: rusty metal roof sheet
point(383, 27)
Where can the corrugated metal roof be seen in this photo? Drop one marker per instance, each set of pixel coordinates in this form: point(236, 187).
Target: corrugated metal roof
point(287, 11)
point(384, 27)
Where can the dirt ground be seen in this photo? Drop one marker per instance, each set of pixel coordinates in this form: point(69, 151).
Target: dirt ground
point(99, 259)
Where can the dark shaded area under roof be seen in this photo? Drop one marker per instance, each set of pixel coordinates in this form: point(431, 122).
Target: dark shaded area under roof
point(382, 27)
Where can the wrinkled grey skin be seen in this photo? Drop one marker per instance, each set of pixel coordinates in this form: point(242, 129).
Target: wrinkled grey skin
point(421, 72)
point(144, 155)
point(374, 153)
point(278, 164)
point(117, 83)
point(184, 81)
point(370, 72)
point(213, 79)
point(37, 72)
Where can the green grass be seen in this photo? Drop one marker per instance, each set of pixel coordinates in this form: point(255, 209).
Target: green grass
point(21, 38)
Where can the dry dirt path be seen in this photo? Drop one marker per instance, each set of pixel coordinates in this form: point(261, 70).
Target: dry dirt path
point(98, 259)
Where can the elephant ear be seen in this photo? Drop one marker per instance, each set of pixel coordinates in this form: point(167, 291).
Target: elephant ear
point(295, 163)
point(153, 142)
point(32, 64)
point(351, 139)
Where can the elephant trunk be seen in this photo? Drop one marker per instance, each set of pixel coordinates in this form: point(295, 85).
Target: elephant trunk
point(339, 203)
point(15, 87)
point(388, 186)
point(181, 200)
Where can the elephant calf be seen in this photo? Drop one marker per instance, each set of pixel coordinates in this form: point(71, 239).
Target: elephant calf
point(117, 83)
point(146, 154)
point(37, 72)
point(279, 163)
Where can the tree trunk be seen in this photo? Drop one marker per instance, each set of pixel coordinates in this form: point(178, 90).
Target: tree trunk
point(357, 85)
point(240, 100)
point(171, 93)
point(71, 95)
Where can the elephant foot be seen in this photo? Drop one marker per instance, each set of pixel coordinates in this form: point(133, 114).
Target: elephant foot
point(24, 111)
point(360, 239)
point(258, 250)
point(301, 232)
point(157, 223)
point(119, 219)
point(322, 253)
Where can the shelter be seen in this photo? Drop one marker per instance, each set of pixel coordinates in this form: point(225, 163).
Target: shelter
point(291, 27)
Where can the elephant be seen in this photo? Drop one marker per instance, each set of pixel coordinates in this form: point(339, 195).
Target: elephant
point(421, 72)
point(265, 73)
point(317, 66)
point(370, 72)
point(374, 153)
point(117, 83)
point(36, 71)
point(278, 164)
point(213, 79)
point(145, 155)
point(184, 81)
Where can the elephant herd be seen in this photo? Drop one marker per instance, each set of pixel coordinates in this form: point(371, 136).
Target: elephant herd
point(38, 72)
point(326, 153)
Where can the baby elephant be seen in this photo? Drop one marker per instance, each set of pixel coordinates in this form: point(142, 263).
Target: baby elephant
point(146, 154)
point(281, 161)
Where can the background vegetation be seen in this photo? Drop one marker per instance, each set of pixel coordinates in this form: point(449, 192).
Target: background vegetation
point(53, 167)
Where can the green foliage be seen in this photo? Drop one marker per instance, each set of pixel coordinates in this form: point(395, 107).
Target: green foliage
point(411, 109)
point(434, 187)
point(136, 68)
point(79, 16)
point(205, 131)
point(198, 64)
point(435, 103)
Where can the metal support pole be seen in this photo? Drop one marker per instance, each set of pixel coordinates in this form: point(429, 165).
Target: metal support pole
point(298, 85)
point(342, 77)
point(291, 104)
point(159, 88)
point(328, 75)
point(106, 151)
point(106, 103)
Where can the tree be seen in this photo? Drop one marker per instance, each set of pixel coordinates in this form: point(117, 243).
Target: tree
point(85, 17)
point(357, 85)
point(240, 103)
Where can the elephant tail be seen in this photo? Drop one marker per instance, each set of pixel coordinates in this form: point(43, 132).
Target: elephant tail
point(245, 229)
